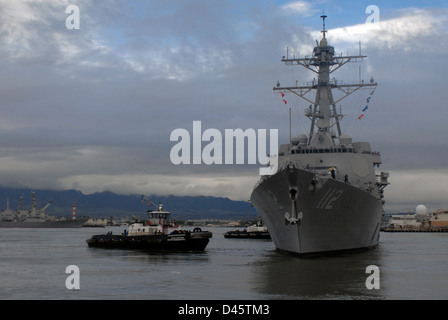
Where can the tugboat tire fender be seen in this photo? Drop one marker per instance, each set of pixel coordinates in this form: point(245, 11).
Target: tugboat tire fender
point(197, 230)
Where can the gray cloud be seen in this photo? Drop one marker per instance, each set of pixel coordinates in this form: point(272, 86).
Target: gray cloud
point(93, 108)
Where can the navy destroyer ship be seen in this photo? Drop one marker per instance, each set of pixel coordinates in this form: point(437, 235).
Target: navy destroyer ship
point(326, 195)
point(36, 217)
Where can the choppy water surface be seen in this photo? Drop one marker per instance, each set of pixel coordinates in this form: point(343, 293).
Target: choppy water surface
point(33, 265)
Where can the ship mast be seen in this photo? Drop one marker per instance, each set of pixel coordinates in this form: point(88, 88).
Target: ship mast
point(322, 111)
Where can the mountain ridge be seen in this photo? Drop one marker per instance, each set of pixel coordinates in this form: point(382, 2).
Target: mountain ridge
point(106, 204)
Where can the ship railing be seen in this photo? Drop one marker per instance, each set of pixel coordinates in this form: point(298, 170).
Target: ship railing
point(259, 182)
point(309, 85)
point(323, 172)
point(319, 171)
point(325, 150)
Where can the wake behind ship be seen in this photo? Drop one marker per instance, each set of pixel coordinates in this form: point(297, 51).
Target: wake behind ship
point(326, 195)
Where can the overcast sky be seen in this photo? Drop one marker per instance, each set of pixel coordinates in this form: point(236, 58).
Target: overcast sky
point(93, 108)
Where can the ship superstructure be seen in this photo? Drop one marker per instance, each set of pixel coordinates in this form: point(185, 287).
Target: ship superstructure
point(326, 195)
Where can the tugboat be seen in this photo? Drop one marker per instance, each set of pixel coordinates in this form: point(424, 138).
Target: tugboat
point(157, 233)
point(256, 231)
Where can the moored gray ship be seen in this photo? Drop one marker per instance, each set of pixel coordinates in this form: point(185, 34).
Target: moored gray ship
point(326, 195)
point(36, 217)
point(254, 231)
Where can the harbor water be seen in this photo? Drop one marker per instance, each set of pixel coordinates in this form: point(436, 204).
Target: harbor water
point(33, 265)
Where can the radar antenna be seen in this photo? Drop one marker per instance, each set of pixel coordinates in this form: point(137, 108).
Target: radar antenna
point(323, 22)
point(324, 62)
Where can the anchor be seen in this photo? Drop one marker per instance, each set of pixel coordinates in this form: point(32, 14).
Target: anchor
point(294, 217)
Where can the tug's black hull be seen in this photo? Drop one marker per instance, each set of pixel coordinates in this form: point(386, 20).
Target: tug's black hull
point(184, 242)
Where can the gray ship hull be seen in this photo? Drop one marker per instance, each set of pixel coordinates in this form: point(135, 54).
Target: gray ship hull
point(335, 216)
point(78, 223)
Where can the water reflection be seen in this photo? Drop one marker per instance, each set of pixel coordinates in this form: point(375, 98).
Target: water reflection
point(333, 277)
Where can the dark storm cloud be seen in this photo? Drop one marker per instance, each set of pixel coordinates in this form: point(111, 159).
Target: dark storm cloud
point(104, 99)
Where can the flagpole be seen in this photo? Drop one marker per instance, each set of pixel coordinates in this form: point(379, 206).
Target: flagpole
point(290, 124)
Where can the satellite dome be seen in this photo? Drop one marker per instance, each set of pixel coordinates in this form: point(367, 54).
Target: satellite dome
point(295, 141)
point(301, 139)
point(345, 139)
point(421, 210)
